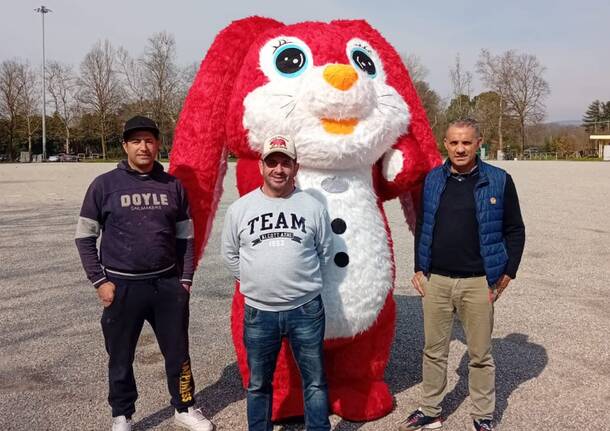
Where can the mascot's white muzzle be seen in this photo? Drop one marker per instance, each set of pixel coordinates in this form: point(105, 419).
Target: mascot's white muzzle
point(339, 98)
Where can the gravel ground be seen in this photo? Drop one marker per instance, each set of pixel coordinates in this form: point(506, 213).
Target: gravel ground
point(550, 340)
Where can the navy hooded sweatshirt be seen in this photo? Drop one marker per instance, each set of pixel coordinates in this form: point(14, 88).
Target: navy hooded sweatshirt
point(144, 222)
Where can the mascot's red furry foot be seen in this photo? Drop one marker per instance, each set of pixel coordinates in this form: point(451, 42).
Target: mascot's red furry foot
point(344, 96)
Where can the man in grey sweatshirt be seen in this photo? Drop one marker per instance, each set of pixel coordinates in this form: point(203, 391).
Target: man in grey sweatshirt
point(275, 241)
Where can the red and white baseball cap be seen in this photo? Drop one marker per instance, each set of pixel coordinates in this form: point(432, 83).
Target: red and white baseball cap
point(279, 144)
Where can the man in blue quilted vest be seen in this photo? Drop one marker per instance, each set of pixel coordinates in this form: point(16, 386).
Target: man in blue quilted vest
point(468, 246)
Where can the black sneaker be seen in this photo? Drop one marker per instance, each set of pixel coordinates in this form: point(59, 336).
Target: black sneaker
point(482, 425)
point(419, 421)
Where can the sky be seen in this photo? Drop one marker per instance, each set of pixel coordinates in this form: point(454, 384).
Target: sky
point(570, 38)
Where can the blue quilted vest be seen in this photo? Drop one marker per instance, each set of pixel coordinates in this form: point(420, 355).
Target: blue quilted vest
point(489, 200)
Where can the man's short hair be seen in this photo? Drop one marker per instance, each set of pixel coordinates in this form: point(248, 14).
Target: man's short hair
point(466, 122)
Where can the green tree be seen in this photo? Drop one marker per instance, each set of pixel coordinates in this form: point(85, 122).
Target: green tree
point(606, 113)
point(487, 108)
point(459, 107)
point(593, 115)
point(435, 112)
point(431, 101)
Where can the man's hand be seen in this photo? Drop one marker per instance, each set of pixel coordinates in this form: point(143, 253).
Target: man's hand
point(187, 287)
point(418, 282)
point(106, 293)
point(501, 285)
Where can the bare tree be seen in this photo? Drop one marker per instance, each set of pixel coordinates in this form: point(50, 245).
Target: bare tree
point(517, 79)
point(495, 73)
point(100, 86)
point(526, 92)
point(430, 100)
point(29, 100)
point(132, 73)
point(189, 72)
point(162, 80)
point(63, 86)
point(413, 63)
point(187, 78)
point(462, 86)
point(11, 87)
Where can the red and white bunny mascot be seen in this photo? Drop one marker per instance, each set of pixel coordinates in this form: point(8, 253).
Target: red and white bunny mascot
point(342, 93)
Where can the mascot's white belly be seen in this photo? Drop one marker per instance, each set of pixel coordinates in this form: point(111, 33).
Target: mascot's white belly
point(359, 276)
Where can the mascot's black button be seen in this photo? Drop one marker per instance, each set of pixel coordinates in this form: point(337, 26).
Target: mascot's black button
point(341, 259)
point(338, 226)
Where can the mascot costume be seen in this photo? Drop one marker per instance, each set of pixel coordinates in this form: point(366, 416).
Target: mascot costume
point(342, 93)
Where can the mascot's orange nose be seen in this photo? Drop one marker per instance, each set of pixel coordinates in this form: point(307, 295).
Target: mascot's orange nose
point(340, 76)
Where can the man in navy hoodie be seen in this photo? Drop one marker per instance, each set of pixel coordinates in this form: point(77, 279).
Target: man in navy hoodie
point(143, 272)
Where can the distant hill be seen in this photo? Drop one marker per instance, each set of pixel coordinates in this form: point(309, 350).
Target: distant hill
point(565, 123)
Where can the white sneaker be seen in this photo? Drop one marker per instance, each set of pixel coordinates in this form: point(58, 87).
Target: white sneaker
point(193, 420)
point(121, 423)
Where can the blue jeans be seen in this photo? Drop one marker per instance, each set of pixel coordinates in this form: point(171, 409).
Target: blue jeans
point(263, 332)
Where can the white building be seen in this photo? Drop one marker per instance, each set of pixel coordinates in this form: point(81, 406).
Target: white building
point(603, 145)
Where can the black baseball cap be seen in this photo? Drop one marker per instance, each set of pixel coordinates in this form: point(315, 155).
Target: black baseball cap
point(140, 123)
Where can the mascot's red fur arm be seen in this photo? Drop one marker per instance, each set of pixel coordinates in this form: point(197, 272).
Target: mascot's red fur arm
point(341, 92)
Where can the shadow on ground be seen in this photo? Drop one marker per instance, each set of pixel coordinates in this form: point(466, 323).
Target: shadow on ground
point(212, 399)
point(517, 361)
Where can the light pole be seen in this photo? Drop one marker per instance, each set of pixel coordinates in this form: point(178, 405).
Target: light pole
point(43, 10)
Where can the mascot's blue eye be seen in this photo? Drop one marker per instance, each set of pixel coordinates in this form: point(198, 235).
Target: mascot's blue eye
point(364, 62)
point(290, 60)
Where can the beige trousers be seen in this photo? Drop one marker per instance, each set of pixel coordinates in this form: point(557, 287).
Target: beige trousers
point(469, 299)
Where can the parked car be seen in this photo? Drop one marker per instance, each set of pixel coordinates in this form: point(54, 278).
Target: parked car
point(531, 152)
point(53, 158)
point(68, 157)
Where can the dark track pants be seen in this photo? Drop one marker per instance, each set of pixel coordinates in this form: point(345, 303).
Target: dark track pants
point(164, 303)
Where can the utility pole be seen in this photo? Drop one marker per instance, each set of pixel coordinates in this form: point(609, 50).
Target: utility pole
point(42, 10)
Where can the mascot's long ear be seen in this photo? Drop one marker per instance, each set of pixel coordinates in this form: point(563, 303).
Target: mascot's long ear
point(198, 156)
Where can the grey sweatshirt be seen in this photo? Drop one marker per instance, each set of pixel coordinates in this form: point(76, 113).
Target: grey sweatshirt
point(276, 247)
